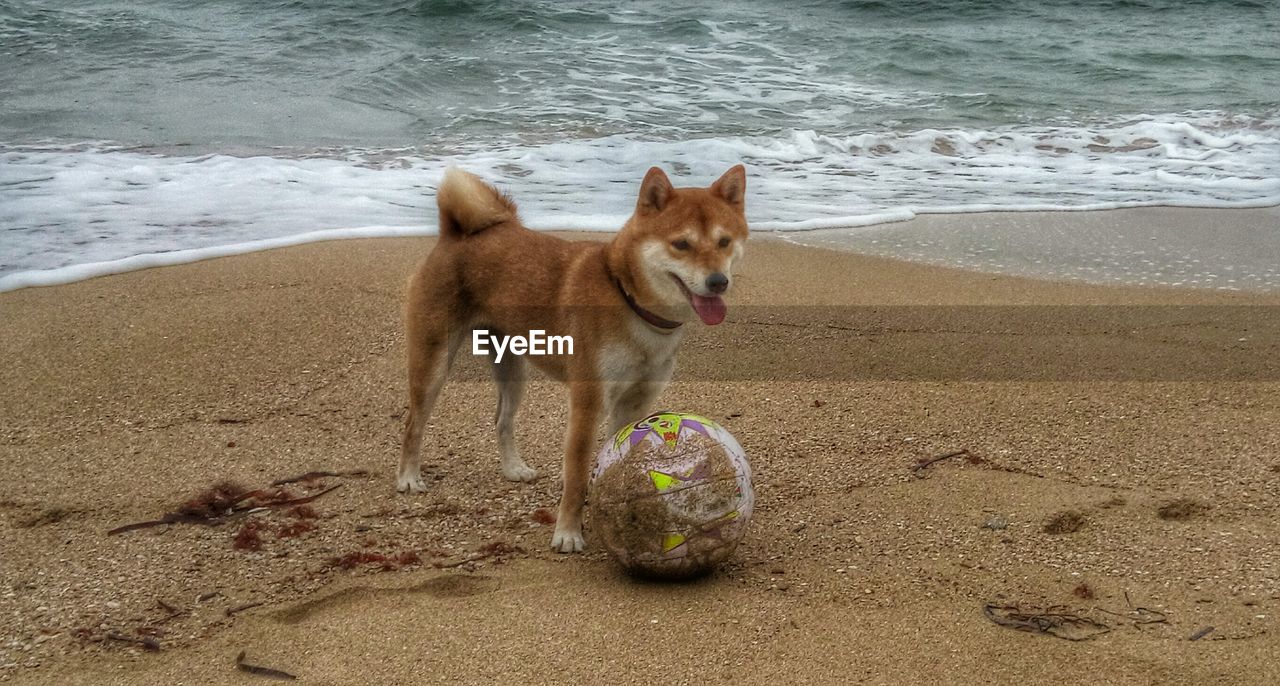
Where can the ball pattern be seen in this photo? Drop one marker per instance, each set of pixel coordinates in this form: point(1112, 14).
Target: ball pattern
point(671, 495)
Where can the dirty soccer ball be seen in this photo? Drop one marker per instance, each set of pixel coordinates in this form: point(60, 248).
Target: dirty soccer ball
point(671, 495)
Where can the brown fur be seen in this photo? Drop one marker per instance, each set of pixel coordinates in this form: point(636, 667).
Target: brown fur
point(489, 271)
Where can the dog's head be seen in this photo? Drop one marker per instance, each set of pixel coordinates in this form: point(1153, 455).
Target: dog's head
point(684, 241)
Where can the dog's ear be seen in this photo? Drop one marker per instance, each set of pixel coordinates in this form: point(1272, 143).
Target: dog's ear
point(732, 186)
point(655, 191)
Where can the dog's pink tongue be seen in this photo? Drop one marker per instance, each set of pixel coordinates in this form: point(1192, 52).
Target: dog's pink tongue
point(710, 310)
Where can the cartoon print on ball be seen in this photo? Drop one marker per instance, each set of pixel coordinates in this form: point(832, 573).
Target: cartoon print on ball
point(671, 495)
point(666, 426)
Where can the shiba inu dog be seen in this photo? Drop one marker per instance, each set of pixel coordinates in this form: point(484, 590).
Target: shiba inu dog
point(623, 304)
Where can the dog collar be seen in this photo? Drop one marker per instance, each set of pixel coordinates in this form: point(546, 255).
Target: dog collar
point(660, 322)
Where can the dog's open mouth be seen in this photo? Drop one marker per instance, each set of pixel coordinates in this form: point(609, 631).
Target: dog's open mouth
point(710, 309)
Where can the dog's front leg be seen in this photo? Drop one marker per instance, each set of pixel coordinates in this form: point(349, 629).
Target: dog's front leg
point(634, 403)
point(585, 398)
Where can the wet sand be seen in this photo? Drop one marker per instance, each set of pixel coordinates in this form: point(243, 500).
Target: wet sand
point(1159, 246)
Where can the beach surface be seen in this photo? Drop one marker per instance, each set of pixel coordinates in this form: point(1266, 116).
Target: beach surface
point(1152, 246)
point(1118, 485)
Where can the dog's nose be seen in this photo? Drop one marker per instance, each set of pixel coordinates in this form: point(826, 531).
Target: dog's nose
point(717, 283)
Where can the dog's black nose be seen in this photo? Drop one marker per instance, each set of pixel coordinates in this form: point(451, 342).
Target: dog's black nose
point(717, 283)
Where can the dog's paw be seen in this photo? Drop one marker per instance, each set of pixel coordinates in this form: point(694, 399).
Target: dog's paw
point(519, 472)
point(567, 541)
point(410, 484)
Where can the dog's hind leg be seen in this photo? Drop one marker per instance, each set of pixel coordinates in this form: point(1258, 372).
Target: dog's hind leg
point(510, 377)
point(430, 357)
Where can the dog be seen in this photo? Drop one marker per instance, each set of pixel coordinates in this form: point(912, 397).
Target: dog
point(624, 304)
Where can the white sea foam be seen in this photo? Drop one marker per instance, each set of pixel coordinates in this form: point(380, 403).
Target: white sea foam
point(61, 207)
point(89, 270)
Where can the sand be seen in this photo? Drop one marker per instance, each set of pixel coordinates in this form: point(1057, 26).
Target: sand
point(1157, 246)
point(1123, 456)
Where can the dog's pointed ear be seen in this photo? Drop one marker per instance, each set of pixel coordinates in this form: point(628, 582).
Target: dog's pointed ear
point(732, 186)
point(655, 191)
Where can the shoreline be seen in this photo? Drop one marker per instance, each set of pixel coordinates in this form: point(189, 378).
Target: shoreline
point(1009, 242)
point(1215, 249)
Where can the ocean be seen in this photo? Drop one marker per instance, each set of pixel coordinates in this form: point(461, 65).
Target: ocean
point(157, 131)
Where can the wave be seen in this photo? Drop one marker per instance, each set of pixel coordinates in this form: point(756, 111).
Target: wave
point(63, 206)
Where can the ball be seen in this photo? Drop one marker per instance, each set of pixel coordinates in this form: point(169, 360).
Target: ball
point(671, 495)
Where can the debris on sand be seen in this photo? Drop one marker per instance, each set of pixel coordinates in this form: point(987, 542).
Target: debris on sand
point(250, 536)
point(232, 611)
point(311, 477)
point(262, 671)
point(214, 501)
point(923, 463)
point(1200, 634)
point(223, 501)
point(1053, 621)
point(387, 563)
point(145, 640)
point(1138, 616)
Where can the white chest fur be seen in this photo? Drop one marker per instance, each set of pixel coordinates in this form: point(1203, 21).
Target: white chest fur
point(647, 358)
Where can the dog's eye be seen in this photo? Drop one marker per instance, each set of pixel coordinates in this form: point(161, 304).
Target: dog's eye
point(681, 244)
point(724, 242)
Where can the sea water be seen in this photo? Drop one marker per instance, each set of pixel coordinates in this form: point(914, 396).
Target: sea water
point(159, 131)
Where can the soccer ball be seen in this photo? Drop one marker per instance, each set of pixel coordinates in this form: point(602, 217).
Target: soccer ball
point(671, 495)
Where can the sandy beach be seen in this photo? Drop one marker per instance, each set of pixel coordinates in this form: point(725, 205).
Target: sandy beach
point(1119, 482)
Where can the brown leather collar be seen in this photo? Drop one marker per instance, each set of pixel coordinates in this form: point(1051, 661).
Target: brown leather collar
point(660, 322)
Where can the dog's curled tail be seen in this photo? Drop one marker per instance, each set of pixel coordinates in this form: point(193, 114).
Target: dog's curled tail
point(469, 205)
